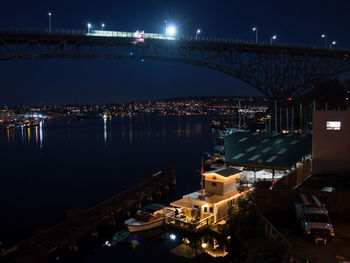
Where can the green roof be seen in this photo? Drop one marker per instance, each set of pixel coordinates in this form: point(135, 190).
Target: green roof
point(276, 150)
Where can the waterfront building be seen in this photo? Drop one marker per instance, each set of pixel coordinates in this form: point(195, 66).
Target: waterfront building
point(331, 142)
point(199, 210)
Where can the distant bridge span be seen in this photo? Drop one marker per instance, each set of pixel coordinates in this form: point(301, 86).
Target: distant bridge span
point(278, 71)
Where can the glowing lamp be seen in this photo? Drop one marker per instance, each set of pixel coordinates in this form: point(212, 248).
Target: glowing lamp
point(171, 30)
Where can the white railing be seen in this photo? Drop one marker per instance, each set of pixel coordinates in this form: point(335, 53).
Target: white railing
point(105, 33)
point(193, 226)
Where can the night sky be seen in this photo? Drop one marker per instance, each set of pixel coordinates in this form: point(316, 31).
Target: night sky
point(105, 81)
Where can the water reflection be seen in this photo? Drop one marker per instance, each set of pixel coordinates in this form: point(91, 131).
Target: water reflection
point(147, 128)
point(8, 135)
point(28, 135)
point(41, 134)
point(180, 245)
point(129, 131)
point(105, 131)
point(36, 135)
point(22, 135)
point(191, 247)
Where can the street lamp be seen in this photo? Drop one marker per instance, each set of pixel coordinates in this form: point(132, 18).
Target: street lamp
point(171, 30)
point(256, 34)
point(88, 26)
point(274, 37)
point(102, 26)
point(50, 14)
point(325, 39)
point(166, 28)
point(197, 33)
point(332, 44)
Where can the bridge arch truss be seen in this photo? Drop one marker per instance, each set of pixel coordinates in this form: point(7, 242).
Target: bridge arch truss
point(277, 71)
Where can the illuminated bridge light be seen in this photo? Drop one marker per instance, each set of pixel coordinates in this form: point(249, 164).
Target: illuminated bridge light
point(171, 30)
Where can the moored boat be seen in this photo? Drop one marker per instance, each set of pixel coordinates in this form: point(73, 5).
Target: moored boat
point(148, 217)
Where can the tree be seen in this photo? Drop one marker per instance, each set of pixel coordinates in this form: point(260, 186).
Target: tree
point(248, 242)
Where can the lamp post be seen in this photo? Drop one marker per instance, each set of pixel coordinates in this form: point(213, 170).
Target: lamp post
point(274, 37)
point(50, 14)
point(102, 26)
point(256, 34)
point(325, 39)
point(197, 33)
point(88, 26)
point(166, 28)
point(332, 44)
point(171, 30)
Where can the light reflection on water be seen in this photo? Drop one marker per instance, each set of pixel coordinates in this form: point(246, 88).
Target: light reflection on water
point(105, 131)
point(168, 244)
point(65, 164)
point(127, 131)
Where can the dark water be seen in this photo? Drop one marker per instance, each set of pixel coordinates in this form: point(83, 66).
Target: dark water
point(159, 246)
point(67, 164)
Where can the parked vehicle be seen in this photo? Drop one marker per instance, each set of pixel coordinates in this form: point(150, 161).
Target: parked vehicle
point(313, 218)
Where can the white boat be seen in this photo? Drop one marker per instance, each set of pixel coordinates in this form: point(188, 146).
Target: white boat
point(148, 217)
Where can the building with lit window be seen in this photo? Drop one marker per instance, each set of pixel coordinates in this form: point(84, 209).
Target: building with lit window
point(203, 208)
point(331, 142)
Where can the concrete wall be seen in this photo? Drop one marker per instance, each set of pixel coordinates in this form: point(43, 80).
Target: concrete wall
point(331, 148)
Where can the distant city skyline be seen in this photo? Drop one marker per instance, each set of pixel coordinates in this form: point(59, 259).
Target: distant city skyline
point(104, 81)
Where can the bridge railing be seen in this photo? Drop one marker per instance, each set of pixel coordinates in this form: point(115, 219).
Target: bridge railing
point(105, 33)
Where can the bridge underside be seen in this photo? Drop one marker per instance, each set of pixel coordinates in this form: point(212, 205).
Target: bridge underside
point(276, 71)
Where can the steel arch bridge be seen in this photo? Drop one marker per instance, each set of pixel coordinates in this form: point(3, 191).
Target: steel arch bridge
point(278, 71)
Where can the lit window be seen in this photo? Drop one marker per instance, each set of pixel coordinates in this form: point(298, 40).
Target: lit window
point(333, 125)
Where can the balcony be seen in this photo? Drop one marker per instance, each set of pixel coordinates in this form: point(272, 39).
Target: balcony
point(192, 225)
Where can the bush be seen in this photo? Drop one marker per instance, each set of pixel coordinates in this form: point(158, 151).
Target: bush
point(246, 228)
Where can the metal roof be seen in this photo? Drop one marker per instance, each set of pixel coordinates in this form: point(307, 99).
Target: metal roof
point(225, 172)
point(267, 150)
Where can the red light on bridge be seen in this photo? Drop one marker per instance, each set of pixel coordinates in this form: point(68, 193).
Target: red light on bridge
point(289, 99)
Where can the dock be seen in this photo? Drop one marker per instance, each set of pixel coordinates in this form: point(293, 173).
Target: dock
point(82, 223)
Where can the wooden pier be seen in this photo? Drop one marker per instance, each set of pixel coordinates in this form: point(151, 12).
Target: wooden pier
point(82, 223)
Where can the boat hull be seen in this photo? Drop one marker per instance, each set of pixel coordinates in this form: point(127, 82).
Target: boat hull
point(135, 225)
